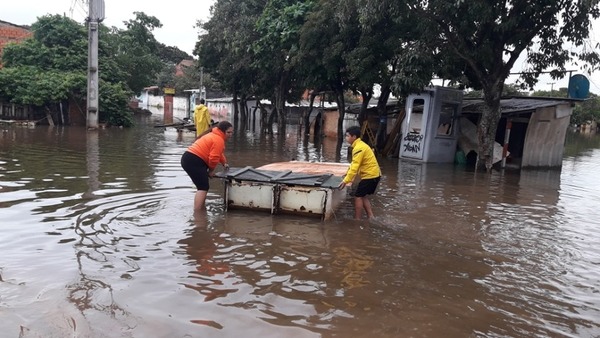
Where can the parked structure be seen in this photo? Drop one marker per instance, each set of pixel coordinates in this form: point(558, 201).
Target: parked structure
point(532, 130)
point(430, 130)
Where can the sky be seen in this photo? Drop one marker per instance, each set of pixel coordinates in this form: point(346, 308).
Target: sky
point(179, 18)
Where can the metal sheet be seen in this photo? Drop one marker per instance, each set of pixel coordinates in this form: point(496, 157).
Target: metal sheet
point(283, 177)
point(302, 200)
point(249, 196)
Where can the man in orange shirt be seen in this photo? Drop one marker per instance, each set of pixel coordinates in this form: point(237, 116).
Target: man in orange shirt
point(203, 156)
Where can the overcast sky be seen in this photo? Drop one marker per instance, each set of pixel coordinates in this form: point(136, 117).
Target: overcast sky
point(179, 18)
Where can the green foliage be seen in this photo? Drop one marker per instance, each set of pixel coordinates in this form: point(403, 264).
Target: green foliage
point(139, 30)
point(29, 85)
point(507, 91)
point(113, 99)
point(166, 77)
point(52, 66)
point(325, 68)
point(135, 50)
point(587, 111)
point(562, 92)
point(171, 54)
point(58, 43)
point(224, 51)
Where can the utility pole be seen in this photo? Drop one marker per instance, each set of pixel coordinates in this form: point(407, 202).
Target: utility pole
point(202, 93)
point(95, 16)
point(551, 86)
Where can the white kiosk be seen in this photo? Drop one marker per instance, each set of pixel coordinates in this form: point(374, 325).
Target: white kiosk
point(431, 128)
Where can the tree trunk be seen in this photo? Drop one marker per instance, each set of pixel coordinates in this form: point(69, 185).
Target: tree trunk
point(341, 103)
point(488, 125)
point(280, 105)
point(381, 134)
point(264, 120)
point(236, 110)
point(270, 121)
point(243, 112)
point(313, 94)
point(364, 106)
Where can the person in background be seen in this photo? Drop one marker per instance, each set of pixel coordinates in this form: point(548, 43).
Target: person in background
point(201, 118)
point(203, 156)
point(364, 163)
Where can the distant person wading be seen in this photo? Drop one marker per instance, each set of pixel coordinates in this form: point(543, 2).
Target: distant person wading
point(201, 118)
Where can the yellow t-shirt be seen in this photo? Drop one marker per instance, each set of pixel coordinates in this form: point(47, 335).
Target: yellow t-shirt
point(363, 163)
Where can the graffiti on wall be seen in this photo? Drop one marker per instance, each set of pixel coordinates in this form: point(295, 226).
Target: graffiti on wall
point(412, 142)
point(220, 111)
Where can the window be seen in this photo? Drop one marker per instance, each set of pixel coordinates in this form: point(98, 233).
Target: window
point(447, 116)
point(416, 117)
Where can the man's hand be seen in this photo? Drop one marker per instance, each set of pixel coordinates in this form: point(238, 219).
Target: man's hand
point(211, 173)
point(342, 185)
point(226, 166)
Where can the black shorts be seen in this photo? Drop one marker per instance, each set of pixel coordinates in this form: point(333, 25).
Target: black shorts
point(366, 187)
point(196, 169)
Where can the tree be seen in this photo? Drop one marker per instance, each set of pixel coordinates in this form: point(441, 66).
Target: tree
point(224, 48)
point(171, 54)
point(136, 51)
point(482, 40)
point(324, 41)
point(50, 68)
point(386, 51)
point(279, 29)
point(588, 110)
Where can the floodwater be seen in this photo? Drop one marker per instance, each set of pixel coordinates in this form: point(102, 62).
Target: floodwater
point(98, 239)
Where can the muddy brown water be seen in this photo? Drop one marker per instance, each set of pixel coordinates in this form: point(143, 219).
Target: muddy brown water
point(98, 239)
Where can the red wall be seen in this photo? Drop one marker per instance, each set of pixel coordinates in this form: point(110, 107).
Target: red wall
point(12, 33)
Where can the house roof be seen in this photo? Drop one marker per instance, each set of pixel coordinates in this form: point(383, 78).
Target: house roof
point(515, 104)
point(392, 106)
point(186, 63)
point(2, 22)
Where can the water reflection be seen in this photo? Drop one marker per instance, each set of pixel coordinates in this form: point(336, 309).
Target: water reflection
point(93, 163)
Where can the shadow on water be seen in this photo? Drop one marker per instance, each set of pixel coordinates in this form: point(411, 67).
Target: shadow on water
point(99, 240)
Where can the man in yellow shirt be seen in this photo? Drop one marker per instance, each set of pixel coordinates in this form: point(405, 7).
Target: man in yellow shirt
point(201, 118)
point(364, 163)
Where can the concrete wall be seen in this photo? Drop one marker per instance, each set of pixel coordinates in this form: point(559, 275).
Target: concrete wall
point(158, 101)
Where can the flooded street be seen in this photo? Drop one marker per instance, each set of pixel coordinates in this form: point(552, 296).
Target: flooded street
point(98, 239)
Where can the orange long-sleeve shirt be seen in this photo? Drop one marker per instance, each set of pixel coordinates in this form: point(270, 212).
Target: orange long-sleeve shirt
point(210, 148)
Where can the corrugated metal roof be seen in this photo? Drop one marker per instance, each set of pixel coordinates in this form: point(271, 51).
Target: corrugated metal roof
point(515, 104)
